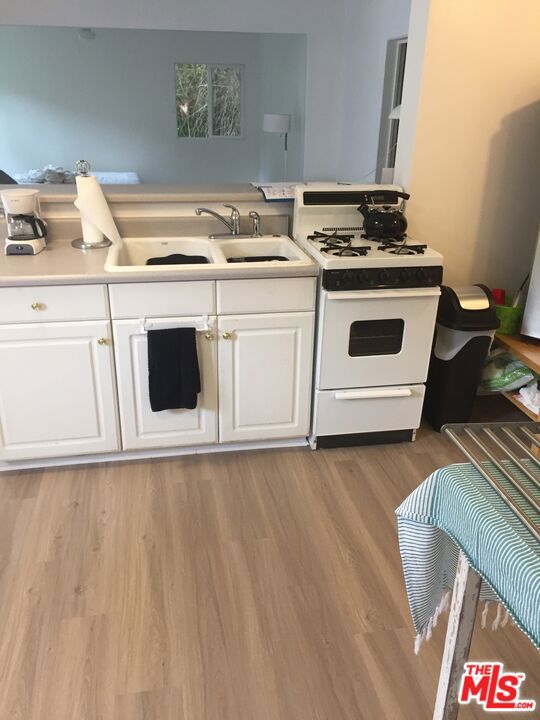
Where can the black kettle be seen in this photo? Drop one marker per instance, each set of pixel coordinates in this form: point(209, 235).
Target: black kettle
point(385, 222)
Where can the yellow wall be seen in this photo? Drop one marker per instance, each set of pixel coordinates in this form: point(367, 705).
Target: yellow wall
point(473, 167)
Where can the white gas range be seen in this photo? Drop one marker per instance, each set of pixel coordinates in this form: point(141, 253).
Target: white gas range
point(376, 317)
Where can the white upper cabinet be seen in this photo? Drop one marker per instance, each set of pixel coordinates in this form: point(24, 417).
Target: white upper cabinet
point(265, 376)
point(142, 428)
point(57, 391)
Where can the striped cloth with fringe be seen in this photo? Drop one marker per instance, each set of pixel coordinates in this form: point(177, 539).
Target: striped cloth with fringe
point(456, 509)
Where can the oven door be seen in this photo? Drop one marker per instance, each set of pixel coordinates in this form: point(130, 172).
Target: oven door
point(375, 337)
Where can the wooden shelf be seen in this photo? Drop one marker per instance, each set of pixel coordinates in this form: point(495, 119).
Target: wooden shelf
point(524, 349)
point(515, 399)
point(528, 351)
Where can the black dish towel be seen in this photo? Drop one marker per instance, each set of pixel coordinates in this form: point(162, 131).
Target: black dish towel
point(178, 259)
point(173, 369)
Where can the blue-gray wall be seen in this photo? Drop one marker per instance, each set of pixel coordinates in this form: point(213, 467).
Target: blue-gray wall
point(283, 82)
point(111, 100)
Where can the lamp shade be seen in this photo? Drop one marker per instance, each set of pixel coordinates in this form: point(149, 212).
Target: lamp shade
point(276, 123)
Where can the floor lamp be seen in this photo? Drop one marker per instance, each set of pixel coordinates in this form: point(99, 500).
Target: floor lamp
point(280, 124)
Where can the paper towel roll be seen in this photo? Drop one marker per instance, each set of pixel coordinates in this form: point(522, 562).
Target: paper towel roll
point(96, 217)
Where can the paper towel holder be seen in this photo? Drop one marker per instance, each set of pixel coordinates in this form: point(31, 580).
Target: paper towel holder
point(83, 169)
point(81, 245)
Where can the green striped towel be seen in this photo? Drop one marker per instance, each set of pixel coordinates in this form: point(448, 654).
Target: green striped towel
point(456, 509)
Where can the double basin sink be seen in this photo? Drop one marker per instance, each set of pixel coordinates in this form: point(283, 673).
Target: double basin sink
point(197, 253)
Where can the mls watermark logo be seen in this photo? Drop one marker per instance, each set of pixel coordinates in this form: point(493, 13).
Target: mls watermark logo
point(487, 684)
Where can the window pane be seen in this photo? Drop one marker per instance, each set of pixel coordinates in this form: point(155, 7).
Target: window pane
point(192, 100)
point(226, 101)
point(392, 144)
point(400, 73)
point(376, 337)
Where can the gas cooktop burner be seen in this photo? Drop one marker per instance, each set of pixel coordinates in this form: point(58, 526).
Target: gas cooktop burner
point(323, 237)
point(395, 248)
point(345, 250)
point(338, 245)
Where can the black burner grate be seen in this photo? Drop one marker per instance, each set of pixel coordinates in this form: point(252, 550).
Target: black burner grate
point(345, 250)
point(397, 248)
point(334, 237)
point(338, 245)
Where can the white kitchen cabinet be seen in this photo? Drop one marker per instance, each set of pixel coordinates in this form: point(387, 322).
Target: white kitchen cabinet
point(264, 375)
point(57, 391)
point(142, 428)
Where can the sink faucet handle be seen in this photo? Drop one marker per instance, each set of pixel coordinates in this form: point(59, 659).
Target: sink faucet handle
point(235, 218)
point(256, 218)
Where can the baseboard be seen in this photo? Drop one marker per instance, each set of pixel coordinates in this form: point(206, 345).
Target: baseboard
point(150, 453)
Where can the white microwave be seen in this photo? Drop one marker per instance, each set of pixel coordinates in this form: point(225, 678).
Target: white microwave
point(531, 317)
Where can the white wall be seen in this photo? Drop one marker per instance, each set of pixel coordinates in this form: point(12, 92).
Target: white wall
point(370, 25)
point(111, 100)
point(412, 83)
point(472, 166)
point(322, 22)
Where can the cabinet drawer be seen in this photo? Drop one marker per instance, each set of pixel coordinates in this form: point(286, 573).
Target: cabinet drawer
point(161, 299)
point(53, 303)
point(368, 409)
point(267, 295)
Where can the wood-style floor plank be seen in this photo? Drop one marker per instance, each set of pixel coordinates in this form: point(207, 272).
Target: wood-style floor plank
point(241, 586)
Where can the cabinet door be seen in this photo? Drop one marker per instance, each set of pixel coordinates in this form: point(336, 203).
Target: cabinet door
point(57, 394)
point(142, 428)
point(265, 364)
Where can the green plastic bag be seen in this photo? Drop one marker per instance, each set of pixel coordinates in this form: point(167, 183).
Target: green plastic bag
point(502, 372)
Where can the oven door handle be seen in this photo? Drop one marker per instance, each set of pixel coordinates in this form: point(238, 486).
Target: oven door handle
point(384, 294)
point(374, 393)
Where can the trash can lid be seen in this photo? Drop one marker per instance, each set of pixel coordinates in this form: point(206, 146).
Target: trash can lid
point(467, 308)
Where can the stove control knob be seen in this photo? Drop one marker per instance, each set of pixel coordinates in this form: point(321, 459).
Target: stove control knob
point(405, 276)
point(361, 277)
point(422, 275)
point(384, 276)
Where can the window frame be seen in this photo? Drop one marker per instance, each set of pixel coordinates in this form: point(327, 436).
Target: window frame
point(392, 94)
point(209, 67)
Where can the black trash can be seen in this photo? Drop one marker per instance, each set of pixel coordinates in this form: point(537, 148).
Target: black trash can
point(466, 324)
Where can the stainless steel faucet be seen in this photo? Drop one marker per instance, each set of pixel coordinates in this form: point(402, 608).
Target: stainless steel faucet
point(233, 224)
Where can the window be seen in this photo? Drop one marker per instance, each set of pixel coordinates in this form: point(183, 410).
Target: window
point(396, 102)
point(396, 57)
point(376, 337)
point(208, 100)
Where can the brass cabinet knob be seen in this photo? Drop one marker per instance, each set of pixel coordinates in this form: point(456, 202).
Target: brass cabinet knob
point(36, 306)
point(226, 335)
point(102, 341)
point(208, 336)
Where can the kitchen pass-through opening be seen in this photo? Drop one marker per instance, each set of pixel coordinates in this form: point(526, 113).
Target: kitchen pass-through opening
point(376, 337)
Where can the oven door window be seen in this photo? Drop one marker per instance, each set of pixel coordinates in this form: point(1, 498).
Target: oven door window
point(376, 337)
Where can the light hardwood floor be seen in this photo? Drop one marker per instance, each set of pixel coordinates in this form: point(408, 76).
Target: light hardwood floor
point(254, 586)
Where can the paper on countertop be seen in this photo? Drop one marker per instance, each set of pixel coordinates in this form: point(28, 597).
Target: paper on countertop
point(96, 217)
point(276, 191)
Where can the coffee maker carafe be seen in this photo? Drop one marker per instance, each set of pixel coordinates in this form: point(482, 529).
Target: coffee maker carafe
point(26, 230)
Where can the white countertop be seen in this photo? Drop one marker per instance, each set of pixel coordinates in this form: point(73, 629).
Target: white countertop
point(60, 264)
